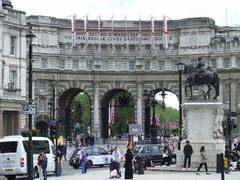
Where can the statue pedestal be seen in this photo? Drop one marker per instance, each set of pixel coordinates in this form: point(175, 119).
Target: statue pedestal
point(202, 126)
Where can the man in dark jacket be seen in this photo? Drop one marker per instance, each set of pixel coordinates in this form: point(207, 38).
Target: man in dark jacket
point(187, 151)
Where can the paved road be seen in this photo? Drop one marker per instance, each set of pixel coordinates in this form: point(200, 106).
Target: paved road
point(103, 174)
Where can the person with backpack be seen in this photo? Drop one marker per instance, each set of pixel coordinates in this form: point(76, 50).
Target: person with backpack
point(83, 161)
point(42, 164)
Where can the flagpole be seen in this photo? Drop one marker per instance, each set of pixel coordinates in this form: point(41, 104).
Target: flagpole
point(126, 35)
point(152, 32)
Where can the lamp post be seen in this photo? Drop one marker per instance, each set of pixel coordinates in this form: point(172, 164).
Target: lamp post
point(180, 68)
point(152, 103)
point(30, 37)
point(54, 126)
point(229, 123)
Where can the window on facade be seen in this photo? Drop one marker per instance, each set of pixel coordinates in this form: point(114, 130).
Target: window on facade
point(42, 104)
point(44, 63)
point(88, 65)
point(161, 65)
point(42, 86)
point(226, 63)
point(12, 79)
point(75, 64)
point(147, 65)
point(131, 65)
point(174, 66)
point(194, 62)
point(61, 64)
point(13, 45)
point(118, 66)
point(238, 62)
point(104, 65)
point(214, 63)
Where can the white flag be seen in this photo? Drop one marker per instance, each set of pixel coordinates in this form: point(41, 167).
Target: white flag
point(86, 24)
point(152, 32)
point(74, 30)
point(140, 30)
point(112, 21)
point(165, 33)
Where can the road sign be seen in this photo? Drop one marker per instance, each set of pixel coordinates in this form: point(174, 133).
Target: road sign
point(28, 108)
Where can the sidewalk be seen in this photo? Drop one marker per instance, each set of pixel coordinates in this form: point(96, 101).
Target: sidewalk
point(174, 168)
point(149, 175)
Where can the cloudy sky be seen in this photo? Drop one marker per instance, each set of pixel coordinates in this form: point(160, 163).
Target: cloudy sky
point(223, 12)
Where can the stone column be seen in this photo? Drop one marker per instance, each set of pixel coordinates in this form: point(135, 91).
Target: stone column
point(234, 96)
point(96, 120)
point(139, 103)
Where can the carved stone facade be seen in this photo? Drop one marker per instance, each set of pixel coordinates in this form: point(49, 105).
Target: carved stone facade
point(103, 62)
point(12, 69)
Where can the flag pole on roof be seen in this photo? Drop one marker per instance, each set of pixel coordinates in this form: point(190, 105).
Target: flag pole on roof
point(152, 32)
point(86, 27)
point(140, 30)
point(74, 30)
point(165, 32)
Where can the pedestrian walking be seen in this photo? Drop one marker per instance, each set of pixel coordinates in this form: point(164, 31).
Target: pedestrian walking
point(42, 166)
point(203, 161)
point(128, 164)
point(187, 151)
point(83, 161)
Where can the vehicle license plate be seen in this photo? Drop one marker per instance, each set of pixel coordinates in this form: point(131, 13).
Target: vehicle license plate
point(8, 169)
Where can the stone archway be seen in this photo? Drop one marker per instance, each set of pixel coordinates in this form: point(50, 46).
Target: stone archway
point(107, 105)
point(66, 111)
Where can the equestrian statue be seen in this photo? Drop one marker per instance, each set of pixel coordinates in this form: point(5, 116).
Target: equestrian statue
point(199, 75)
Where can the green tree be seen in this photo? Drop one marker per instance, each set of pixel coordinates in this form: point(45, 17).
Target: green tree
point(167, 114)
point(82, 102)
point(123, 114)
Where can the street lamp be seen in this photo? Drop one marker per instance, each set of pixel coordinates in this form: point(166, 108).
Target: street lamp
point(180, 69)
point(54, 126)
point(30, 37)
point(152, 103)
point(229, 123)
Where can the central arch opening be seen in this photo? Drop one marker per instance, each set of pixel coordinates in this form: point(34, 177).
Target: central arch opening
point(117, 110)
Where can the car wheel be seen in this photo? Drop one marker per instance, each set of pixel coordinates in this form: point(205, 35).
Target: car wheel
point(147, 163)
point(76, 166)
point(89, 164)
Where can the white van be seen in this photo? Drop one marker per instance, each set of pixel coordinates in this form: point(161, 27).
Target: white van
point(13, 155)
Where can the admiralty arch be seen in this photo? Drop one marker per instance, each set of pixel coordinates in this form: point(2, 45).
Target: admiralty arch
point(105, 63)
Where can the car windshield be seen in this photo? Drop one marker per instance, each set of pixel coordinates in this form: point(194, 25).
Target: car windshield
point(136, 149)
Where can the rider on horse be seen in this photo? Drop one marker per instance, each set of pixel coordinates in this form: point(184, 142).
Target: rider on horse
point(199, 69)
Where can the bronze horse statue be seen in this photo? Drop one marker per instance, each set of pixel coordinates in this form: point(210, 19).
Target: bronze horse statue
point(201, 77)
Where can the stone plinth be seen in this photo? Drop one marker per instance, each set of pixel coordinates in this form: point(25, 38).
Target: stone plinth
point(202, 126)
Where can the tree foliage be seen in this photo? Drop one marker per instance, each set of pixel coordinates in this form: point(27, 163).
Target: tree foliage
point(82, 109)
point(123, 115)
point(167, 113)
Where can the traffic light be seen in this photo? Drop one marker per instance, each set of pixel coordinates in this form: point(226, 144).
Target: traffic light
point(224, 125)
point(53, 131)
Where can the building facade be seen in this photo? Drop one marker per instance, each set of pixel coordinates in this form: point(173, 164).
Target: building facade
point(13, 69)
point(124, 57)
point(104, 63)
